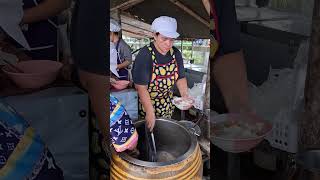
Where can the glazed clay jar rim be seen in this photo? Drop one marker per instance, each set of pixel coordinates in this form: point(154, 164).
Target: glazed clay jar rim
point(59, 65)
point(213, 136)
point(186, 155)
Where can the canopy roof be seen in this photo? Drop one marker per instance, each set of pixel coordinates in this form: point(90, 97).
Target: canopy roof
point(192, 18)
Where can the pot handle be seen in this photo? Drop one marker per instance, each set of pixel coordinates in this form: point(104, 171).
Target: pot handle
point(191, 130)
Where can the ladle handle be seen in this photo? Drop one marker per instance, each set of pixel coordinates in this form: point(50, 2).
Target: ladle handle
point(198, 120)
point(153, 143)
point(150, 144)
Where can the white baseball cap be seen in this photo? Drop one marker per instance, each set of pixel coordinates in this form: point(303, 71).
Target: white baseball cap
point(114, 26)
point(166, 26)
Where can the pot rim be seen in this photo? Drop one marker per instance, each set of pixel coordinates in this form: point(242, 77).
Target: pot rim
point(192, 148)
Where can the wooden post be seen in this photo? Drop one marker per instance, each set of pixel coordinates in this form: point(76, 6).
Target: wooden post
point(206, 104)
point(192, 50)
point(116, 15)
point(126, 5)
point(309, 135)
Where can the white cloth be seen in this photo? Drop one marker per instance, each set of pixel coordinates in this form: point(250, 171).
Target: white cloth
point(60, 110)
point(114, 26)
point(11, 13)
point(166, 26)
point(113, 59)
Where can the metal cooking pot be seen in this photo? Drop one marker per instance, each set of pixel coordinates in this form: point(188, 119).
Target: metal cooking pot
point(170, 137)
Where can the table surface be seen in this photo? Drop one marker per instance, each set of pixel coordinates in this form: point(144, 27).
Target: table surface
point(195, 67)
point(254, 13)
point(300, 26)
point(284, 21)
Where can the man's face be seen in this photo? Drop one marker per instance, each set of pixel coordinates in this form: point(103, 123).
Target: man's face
point(111, 36)
point(114, 37)
point(163, 43)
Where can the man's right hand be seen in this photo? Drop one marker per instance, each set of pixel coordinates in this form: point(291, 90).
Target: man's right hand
point(113, 81)
point(150, 120)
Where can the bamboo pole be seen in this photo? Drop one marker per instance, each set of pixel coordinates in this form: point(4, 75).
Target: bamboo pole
point(190, 12)
point(126, 5)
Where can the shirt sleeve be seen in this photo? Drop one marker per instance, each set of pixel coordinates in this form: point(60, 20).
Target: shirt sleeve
point(142, 67)
point(229, 27)
point(126, 52)
point(179, 60)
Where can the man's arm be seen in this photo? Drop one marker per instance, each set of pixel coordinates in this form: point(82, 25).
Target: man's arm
point(183, 87)
point(147, 105)
point(229, 68)
point(144, 97)
point(125, 64)
point(230, 74)
point(141, 74)
point(127, 56)
point(44, 10)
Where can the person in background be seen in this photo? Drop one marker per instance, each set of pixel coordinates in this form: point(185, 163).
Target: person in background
point(229, 76)
point(157, 68)
point(119, 118)
point(124, 58)
point(123, 134)
point(228, 66)
point(88, 45)
point(40, 27)
point(7, 47)
point(114, 75)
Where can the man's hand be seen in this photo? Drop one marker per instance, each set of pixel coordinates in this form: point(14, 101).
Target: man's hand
point(150, 120)
point(113, 81)
point(125, 64)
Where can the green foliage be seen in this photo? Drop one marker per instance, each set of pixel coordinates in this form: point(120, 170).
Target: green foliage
point(187, 52)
